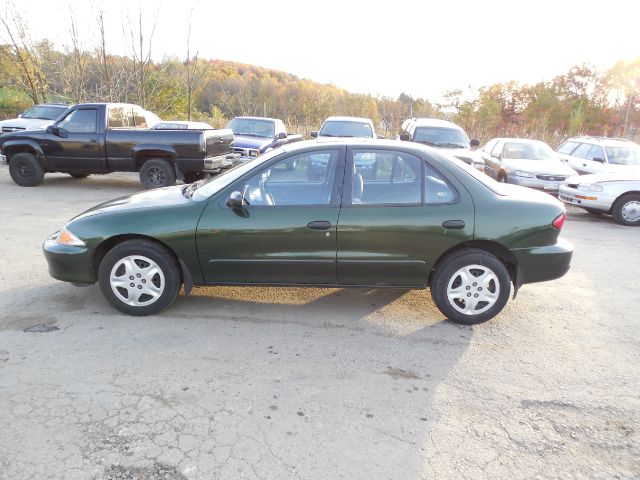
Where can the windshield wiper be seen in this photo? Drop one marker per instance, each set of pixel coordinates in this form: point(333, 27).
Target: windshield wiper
point(449, 145)
point(251, 135)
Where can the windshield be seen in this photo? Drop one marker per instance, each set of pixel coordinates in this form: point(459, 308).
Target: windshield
point(45, 112)
point(346, 128)
point(252, 127)
point(528, 150)
point(441, 137)
point(626, 155)
point(206, 188)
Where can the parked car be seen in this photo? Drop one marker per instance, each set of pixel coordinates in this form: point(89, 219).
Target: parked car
point(422, 220)
point(182, 125)
point(114, 137)
point(443, 135)
point(257, 135)
point(601, 155)
point(37, 117)
point(346, 127)
point(530, 163)
point(605, 193)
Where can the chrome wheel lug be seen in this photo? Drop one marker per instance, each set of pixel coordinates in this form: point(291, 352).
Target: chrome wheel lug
point(132, 285)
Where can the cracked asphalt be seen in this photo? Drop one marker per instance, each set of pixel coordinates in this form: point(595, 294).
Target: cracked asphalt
point(267, 383)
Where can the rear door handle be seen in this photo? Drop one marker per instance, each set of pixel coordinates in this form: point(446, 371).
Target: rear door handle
point(453, 224)
point(319, 225)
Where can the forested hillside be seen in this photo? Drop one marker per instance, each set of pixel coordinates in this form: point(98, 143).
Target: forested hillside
point(583, 100)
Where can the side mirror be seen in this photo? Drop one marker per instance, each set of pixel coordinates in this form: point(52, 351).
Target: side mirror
point(314, 134)
point(405, 137)
point(281, 136)
point(475, 143)
point(53, 129)
point(235, 200)
point(598, 159)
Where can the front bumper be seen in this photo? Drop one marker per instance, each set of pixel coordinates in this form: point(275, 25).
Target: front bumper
point(68, 263)
point(578, 198)
point(539, 264)
point(533, 182)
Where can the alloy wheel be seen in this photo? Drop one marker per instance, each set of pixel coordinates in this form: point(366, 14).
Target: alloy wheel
point(473, 289)
point(137, 280)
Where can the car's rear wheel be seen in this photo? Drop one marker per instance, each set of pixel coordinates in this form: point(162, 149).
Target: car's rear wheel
point(25, 169)
point(470, 286)
point(139, 277)
point(626, 210)
point(79, 175)
point(156, 173)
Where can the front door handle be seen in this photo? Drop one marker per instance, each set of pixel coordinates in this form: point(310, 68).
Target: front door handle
point(453, 224)
point(319, 225)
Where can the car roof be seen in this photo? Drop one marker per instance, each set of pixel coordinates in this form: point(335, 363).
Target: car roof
point(348, 119)
point(433, 122)
point(358, 142)
point(604, 141)
point(257, 118)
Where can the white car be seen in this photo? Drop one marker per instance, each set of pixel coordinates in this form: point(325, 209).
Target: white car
point(37, 117)
point(605, 193)
point(600, 155)
point(348, 127)
point(444, 136)
point(529, 163)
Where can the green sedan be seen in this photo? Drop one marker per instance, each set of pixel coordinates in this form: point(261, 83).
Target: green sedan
point(349, 213)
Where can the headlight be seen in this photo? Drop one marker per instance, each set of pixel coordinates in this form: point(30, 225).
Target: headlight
point(65, 237)
point(589, 187)
point(521, 173)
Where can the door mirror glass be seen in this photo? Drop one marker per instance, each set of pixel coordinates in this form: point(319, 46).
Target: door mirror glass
point(598, 159)
point(314, 134)
point(405, 137)
point(281, 136)
point(235, 200)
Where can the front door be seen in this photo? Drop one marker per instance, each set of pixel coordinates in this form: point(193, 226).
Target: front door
point(286, 231)
point(75, 146)
point(390, 231)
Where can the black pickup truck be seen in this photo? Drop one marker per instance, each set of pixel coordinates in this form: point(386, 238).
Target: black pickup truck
point(114, 137)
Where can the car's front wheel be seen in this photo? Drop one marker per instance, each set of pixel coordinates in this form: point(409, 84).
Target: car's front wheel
point(139, 277)
point(25, 169)
point(470, 286)
point(626, 210)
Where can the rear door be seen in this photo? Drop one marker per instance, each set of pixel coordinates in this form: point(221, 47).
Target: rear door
point(286, 232)
point(390, 231)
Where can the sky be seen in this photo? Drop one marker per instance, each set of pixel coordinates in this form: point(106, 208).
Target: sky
point(422, 48)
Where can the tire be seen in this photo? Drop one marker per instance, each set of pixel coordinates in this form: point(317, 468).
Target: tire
point(190, 177)
point(594, 212)
point(25, 170)
point(626, 210)
point(79, 175)
point(451, 292)
point(131, 263)
point(157, 173)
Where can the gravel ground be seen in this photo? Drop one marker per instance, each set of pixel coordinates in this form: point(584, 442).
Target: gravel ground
point(266, 383)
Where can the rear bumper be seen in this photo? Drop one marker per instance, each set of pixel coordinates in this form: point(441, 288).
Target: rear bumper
point(69, 264)
point(539, 264)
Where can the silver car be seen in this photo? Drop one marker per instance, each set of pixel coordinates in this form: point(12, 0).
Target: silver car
point(606, 193)
point(530, 163)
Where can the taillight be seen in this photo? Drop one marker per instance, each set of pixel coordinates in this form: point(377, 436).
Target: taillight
point(559, 221)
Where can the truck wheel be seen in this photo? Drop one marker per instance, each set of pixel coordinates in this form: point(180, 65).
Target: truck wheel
point(626, 210)
point(470, 287)
point(25, 170)
point(139, 277)
point(156, 173)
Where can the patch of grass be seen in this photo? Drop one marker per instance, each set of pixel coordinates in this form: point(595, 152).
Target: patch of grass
point(13, 102)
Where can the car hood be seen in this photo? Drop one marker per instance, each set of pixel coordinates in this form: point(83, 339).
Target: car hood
point(243, 141)
point(156, 198)
point(552, 167)
point(604, 177)
point(26, 123)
